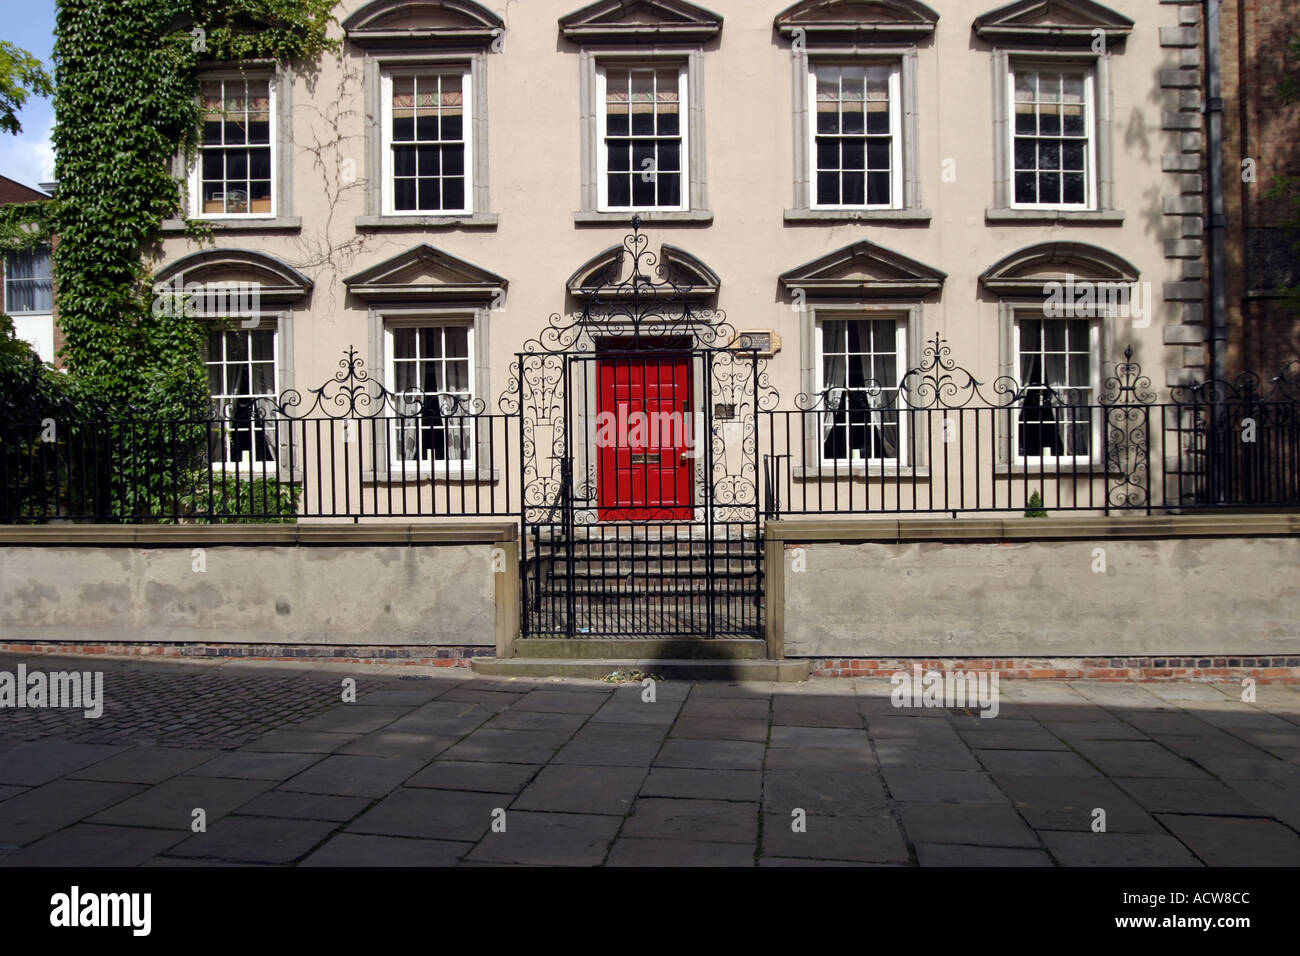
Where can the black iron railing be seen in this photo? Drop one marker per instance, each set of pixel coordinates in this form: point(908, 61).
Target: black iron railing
point(938, 442)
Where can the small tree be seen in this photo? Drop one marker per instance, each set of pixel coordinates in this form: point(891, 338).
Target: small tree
point(1035, 509)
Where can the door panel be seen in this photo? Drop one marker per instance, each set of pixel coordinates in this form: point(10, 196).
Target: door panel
point(643, 437)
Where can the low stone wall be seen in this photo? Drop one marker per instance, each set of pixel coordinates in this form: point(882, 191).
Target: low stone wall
point(353, 585)
point(1132, 588)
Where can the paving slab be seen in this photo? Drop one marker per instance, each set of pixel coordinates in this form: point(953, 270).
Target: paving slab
point(507, 746)
point(354, 719)
point(695, 784)
point(577, 789)
point(896, 751)
point(304, 806)
point(238, 839)
point(369, 850)
point(947, 854)
point(170, 805)
point(716, 728)
point(354, 776)
point(941, 786)
point(1067, 803)
point(1044, 763)
point(246, 765)
point(396, 743)
point(791, 758)
point(711, 754)
point(476, 776)
point(1236, 842)
point(866, 840)
point(300, 741)
point(1117, 849)
point(727, 707)
point(1162, 795)
point(548, 839)
point(88, 844)
point(431, 814)
point(824, 792)
point(145, 765)
point(40, 761)
point(632, 851)
point(1134, 758)
point(973, 823)
point(713, 821)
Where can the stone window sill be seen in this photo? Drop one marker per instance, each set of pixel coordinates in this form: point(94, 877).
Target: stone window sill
point(482, 476)
point(590, 217)
point(1113, 216)
point(269, 224)
point(859, 470)
point(858, 215)
point(478, 220)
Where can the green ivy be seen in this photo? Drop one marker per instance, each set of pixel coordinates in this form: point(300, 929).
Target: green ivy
point(126, 101)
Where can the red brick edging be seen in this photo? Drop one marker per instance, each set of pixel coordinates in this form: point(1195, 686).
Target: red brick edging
point(1265, 670)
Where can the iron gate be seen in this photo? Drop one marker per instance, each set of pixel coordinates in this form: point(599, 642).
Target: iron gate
point(638, 451)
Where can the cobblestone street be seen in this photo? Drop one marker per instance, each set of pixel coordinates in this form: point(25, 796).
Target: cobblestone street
point(440, 767)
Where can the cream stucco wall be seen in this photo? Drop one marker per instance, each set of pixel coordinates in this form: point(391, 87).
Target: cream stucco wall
point(535, 167)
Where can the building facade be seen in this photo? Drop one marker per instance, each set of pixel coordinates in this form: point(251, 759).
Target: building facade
point(840, 191)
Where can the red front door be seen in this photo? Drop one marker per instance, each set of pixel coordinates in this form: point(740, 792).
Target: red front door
point(644, 437)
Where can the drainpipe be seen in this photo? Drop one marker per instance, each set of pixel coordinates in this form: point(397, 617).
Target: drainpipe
point(1217, 219)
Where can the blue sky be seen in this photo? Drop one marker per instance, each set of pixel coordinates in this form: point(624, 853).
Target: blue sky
point(29, 158)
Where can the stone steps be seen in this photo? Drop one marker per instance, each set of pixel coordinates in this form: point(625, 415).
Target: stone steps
point(634, 648)
point(679, 669)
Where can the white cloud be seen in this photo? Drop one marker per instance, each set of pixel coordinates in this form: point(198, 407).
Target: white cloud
point(28, 158)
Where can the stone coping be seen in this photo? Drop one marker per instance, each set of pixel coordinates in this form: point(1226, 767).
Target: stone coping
point(286, 535)
point(850, 530)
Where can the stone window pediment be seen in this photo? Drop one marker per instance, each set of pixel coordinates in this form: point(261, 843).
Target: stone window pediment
point(1052, 22)
point(649, 21)
point(863, 270)
point(427, 274)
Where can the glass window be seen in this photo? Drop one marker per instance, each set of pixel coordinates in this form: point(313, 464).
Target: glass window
point(236, 155)
point(1051, 138)
point(1056, 368)
point(861, 365)
point(431, 371)
point(644, 155)
point(426, 133)
point(857, 153)
point(242, 383)
point(28, 286)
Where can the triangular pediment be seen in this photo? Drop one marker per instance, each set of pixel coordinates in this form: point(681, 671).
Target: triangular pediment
point(863, 269)
point(1026, 271)
point(438, 22)
point(640, 20)
point(1059, 21)
point(857, 20)
point(674, 272)
point(275, 281)
point(425, 272)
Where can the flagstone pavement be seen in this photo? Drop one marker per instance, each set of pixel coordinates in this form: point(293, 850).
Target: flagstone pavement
point(244, 763)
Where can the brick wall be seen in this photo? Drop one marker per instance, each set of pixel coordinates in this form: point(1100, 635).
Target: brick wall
point(1262, 332)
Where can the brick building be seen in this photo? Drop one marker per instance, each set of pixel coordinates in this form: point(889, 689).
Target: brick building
point(25, 280)
point(1262, 331)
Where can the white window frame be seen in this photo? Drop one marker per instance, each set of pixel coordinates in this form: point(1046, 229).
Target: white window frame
point(900, 320)
point(196, 167)
point(1089, 71)
point(602, 125)
point(5, 305)
point(423, 466)
point(388, 197)
point(1095, 346)
point(248, 467)
point(896, 155)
